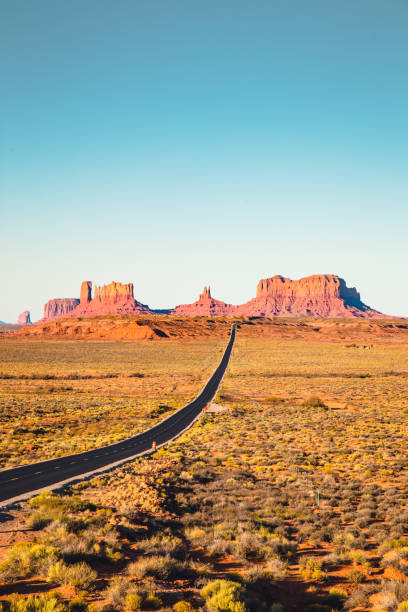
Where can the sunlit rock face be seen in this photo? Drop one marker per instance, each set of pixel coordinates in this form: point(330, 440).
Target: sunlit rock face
point(320, 295)
point(205, 306)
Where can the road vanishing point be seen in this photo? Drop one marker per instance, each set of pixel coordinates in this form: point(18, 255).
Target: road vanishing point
point(22, 482)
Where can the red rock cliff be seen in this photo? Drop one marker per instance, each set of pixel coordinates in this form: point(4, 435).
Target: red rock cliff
point(320, 295)
point(115, 298)
point(60, 307)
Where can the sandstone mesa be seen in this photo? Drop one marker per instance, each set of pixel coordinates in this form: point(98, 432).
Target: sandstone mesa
point(319, 295)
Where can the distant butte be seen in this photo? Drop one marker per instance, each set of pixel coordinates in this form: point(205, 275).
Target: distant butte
point(24, 318)
point(205, 306)
point(115, 298)
point(320, 295)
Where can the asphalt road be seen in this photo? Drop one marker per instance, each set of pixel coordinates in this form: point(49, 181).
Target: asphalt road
point(17, 483)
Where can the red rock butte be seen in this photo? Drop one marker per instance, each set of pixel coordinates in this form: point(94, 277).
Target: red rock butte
point(115, 298)
point(205, 306)
point(320, 295)
point(24, 318)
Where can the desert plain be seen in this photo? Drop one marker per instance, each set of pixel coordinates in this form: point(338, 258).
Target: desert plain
point(290, 495)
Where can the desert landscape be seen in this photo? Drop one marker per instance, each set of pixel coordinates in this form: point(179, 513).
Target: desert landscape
point(290, 492)
point(203, 306)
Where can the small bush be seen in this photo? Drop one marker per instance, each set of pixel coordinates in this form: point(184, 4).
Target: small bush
point(277, 568)
point(36, 603)
point(163, 568)
point(41, 518)
point(152, 602)
point(48, 499)
point(183, 606)
point(224, 595)
point(24, 560)
point(118, 590)
point(133, 601)
point(311, 569)
point(356, 576)
point(79, 575)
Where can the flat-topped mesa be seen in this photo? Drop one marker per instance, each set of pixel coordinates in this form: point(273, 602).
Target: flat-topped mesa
point(114, 293)
point(205, 306)
point(60, 307)
point(115, 298)
point(318, 285)
point(320, 295)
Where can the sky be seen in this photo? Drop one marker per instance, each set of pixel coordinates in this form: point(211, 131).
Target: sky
point(179, 143)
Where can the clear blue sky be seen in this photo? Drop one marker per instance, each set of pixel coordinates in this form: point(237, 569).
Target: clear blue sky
point(181, 143)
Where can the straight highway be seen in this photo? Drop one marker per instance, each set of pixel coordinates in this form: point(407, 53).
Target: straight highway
point(19, 482)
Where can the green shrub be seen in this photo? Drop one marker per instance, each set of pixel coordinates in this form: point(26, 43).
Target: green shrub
point(117, 590)
point(152, 602)
point(48, 499)
point(224, 595)
point(24, 560)
point(277, 568)
point(163, 568)
point(79, 575)
point(355, 576)
point(36, 603)
point(311, 569)
point(41, 518)
point(133, 601)
point(183, 606)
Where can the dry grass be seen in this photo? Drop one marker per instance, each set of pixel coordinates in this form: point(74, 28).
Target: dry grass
point(281, 499)
point(58, 398)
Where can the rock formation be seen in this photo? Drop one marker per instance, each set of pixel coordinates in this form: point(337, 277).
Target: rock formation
point(115, 298)
point(205, 306)
point(24, 318)
point(320, 295)
point(59, 307)
point(86, 293)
